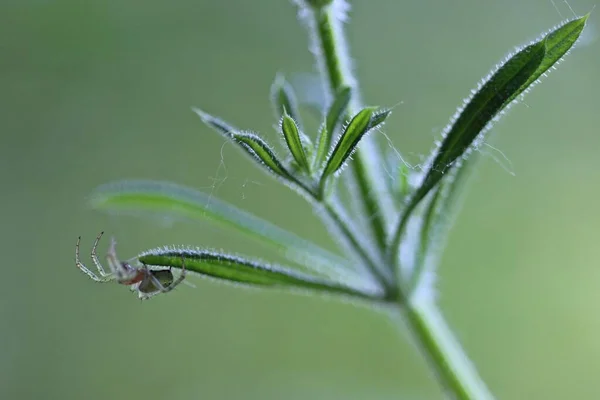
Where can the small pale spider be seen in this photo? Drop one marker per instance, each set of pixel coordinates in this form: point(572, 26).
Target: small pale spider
point(146, 282)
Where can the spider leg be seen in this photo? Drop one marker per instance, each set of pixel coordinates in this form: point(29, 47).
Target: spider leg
point(111, 257)
point(143, 295)
point(181, 277)
point(95, 256)
point(103, 276)
point(122, 271)
point(146, 296)
point(173, 285)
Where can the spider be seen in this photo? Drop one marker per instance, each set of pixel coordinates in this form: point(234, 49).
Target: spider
point(146, 282)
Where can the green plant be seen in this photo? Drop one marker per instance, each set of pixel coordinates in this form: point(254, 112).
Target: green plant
point(395, 233)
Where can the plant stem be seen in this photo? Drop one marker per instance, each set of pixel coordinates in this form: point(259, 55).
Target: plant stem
point(334, 64)
point(447, 360)
point(355, 243)
point(433, 337)
point(393, 250)
point(334, 215)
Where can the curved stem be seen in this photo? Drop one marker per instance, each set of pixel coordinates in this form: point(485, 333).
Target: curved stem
point(393, 249)
point(334, 215)
point(444, 355)
point(354, 242)
point(334, 64)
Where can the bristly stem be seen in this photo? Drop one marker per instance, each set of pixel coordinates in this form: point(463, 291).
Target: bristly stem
point(442, 351)
point(369, 261)
point(333, 214)
point(325, 27)
point(445, 356)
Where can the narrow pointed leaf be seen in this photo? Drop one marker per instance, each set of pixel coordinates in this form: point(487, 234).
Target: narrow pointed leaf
point(558, 42)
point(235, 269)
point(438, 215)
point(379, 118)
point(363, 122)
point(252, 144)
point(215, 123)
point(334, 118)
point(291, 133)
point(261, 151)
point(486, 103)
point(555, 44)
point(174, 201)
point(284, 100)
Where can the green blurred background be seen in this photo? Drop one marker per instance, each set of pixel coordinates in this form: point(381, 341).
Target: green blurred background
point(94, 91)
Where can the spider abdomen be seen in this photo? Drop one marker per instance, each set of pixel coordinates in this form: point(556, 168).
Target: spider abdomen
point(139, 277)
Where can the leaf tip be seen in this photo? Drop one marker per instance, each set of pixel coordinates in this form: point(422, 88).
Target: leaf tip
point(205, 117)
point(585, 17)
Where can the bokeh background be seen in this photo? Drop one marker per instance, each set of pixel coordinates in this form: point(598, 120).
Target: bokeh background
point(94, 91)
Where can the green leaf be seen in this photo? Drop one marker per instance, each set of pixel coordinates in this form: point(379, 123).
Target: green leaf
point(558, 42)
point(366, 119)
point(379, 118)
point(335, 116)
point(495, 95)
point(437, 216)
point(460, 137)
point(235, 269)
point(262, 152)
point(283, 99)
point(215, 123)
point(481, 109)
point(252, 144)
point(292, 136)
point(175, 201)
point(543, 54)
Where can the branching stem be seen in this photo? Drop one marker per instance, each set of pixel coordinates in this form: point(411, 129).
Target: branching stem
point(333, 214)
point(335, 67)
point(447, 360)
